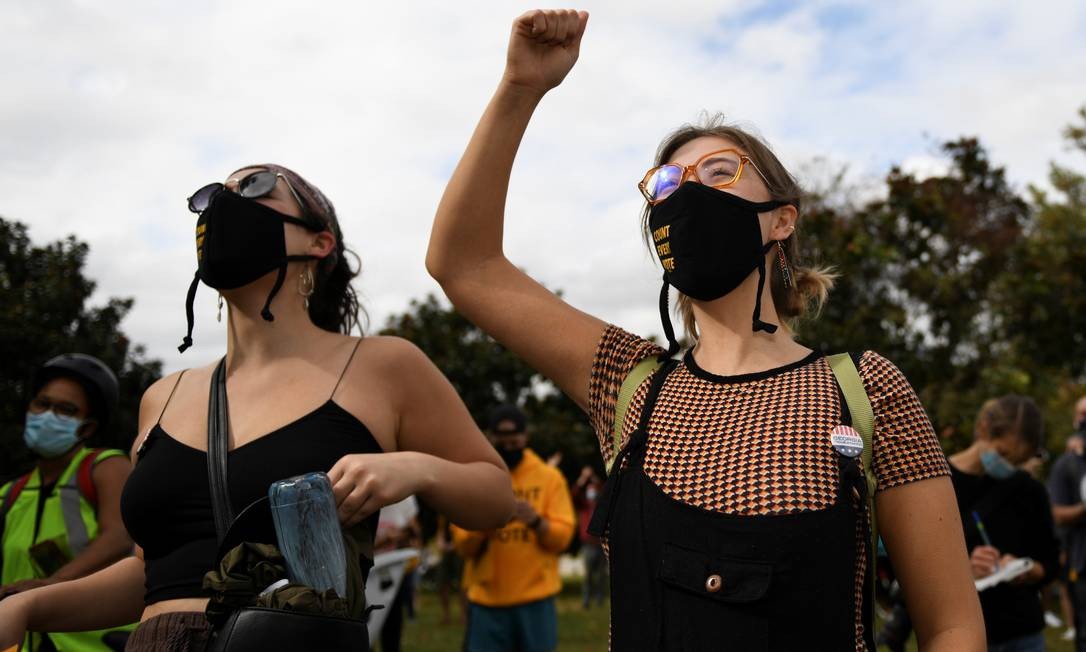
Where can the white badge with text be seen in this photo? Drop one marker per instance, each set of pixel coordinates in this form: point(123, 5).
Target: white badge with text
point(847, 441)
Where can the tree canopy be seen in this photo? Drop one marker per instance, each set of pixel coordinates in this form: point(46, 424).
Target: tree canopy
point(45, 311)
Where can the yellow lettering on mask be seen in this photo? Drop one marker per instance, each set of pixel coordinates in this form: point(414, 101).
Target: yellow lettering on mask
point(661, 233)
point(664, 249)
point(669, 264)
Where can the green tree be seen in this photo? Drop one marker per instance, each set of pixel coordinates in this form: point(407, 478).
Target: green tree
point(43, 313)
point(485, 374)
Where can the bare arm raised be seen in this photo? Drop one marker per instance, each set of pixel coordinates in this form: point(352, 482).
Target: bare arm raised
point(466, 254)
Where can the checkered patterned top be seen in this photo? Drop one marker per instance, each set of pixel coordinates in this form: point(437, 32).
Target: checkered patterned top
point(759, 444)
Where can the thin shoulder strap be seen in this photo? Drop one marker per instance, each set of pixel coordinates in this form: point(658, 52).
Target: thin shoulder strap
point(345, 367)
point(170, 397)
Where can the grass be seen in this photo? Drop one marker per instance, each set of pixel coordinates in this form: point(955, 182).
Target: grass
point(578, 630)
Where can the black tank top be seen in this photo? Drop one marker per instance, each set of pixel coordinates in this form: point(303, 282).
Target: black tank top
point(166, 503)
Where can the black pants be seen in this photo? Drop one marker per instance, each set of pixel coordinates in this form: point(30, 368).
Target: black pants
point(1078, 604)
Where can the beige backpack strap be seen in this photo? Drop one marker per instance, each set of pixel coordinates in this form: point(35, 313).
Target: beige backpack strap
point(633, 380)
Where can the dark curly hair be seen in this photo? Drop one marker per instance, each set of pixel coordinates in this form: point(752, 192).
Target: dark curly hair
point(334, 304)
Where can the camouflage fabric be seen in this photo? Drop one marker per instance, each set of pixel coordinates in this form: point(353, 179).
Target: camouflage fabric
point(249, 568)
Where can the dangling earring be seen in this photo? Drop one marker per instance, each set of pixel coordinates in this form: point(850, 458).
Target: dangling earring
point(218, 317)
point(786, 273)
point(306, 286)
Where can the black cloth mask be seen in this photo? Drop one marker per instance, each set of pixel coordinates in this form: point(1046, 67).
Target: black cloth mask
point(239, 240)
point(511, 458)
point(708, 242)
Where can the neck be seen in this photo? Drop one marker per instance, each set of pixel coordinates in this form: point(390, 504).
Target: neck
point(727, 344)
point(51, 468)
point(251, 339)
point(968, 461)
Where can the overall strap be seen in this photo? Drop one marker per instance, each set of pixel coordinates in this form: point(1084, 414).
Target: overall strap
point(218, 429)
point(344, 371)
point(633, 380)
point(635, 446)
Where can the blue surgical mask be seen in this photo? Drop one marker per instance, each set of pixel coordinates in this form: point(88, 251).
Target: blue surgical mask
point(996, 466)
point(50, 435)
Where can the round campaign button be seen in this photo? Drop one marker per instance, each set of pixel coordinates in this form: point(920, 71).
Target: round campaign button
point(847, 441)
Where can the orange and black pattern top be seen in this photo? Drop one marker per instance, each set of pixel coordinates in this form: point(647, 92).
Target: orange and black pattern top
point(759, 444)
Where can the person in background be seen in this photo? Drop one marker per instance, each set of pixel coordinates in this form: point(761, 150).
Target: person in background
point(586, 493)
point(62, 520)
point(1066, 484)
point(398, 527)
point(512, 573)
point(449, 569)
point(1005, 516)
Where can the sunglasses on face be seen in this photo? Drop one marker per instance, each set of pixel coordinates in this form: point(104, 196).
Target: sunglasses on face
point(507, 433)
point(251, 186)
point(41, 404)
point(718, 169)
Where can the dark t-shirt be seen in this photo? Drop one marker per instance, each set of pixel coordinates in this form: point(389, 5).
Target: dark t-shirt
point(1018, 519)
point(1065, 485)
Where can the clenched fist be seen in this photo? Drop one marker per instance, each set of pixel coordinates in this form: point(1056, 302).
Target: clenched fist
point(543, 48)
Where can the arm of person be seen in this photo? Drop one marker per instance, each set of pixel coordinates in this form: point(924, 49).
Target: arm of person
point(555, 526)
point(1067, 505)
point(1044, 548)
point(441, 455)
point(112, 597)
point(112, 542)
point(922, 530)
point(467, 543)
point(465, 254)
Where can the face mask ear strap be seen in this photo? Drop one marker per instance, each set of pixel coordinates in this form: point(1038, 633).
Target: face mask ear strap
point(665, 319)
point(187, 341)
point(760, 325)
point(266, 312)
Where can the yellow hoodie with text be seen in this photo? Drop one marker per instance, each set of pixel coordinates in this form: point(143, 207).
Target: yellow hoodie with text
point(514, 565)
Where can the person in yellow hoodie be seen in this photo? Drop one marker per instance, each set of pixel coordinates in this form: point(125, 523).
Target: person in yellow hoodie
point(511, 574)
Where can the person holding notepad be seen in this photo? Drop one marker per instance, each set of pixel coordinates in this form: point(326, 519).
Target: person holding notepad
point(1005, 516)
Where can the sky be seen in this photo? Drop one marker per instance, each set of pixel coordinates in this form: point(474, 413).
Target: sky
point(114, 112)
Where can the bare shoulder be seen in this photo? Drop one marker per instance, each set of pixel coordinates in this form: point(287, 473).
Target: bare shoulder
point(112, 468)
point(390, 355)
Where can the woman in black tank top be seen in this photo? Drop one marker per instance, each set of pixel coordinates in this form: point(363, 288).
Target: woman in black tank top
point(374, 413)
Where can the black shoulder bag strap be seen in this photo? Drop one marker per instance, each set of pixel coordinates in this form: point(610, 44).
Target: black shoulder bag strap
point(218, 436)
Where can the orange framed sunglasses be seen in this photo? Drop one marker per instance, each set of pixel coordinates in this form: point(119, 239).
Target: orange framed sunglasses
point(718, 169)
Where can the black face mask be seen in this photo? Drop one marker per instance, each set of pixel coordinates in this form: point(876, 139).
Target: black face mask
point(511, 458)
point(239, 240)
point(709, 241)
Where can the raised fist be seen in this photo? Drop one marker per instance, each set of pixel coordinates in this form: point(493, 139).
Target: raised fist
point(543, 48)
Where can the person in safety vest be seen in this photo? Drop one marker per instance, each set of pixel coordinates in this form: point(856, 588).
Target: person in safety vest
point(62, 520)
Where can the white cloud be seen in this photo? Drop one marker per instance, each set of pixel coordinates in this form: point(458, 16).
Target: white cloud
point(114, 112)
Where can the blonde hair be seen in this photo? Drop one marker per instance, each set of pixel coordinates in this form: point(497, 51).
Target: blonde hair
point(810, 285)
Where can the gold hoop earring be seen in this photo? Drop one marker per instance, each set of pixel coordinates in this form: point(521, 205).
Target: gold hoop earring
point(218, 317)
point(306, 285)
point(786, 273)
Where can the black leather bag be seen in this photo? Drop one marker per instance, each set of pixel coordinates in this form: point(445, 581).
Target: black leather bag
point(253, 629)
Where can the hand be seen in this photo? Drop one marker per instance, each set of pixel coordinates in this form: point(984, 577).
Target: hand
point(984, 561)
point(543, 47)
point(364, 483)
point(23, 585)
point(1035, 574)
point(524, 513)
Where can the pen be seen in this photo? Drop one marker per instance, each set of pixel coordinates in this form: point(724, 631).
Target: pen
point(983, 533)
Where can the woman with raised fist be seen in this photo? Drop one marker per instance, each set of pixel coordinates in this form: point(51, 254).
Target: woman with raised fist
point(746, 474)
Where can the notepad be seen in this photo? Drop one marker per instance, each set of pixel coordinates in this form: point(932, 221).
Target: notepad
point(1005, 573)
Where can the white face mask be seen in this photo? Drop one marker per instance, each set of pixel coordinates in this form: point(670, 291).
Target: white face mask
point(592, 493)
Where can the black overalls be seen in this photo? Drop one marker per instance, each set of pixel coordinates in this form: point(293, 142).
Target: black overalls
point(684, 578)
